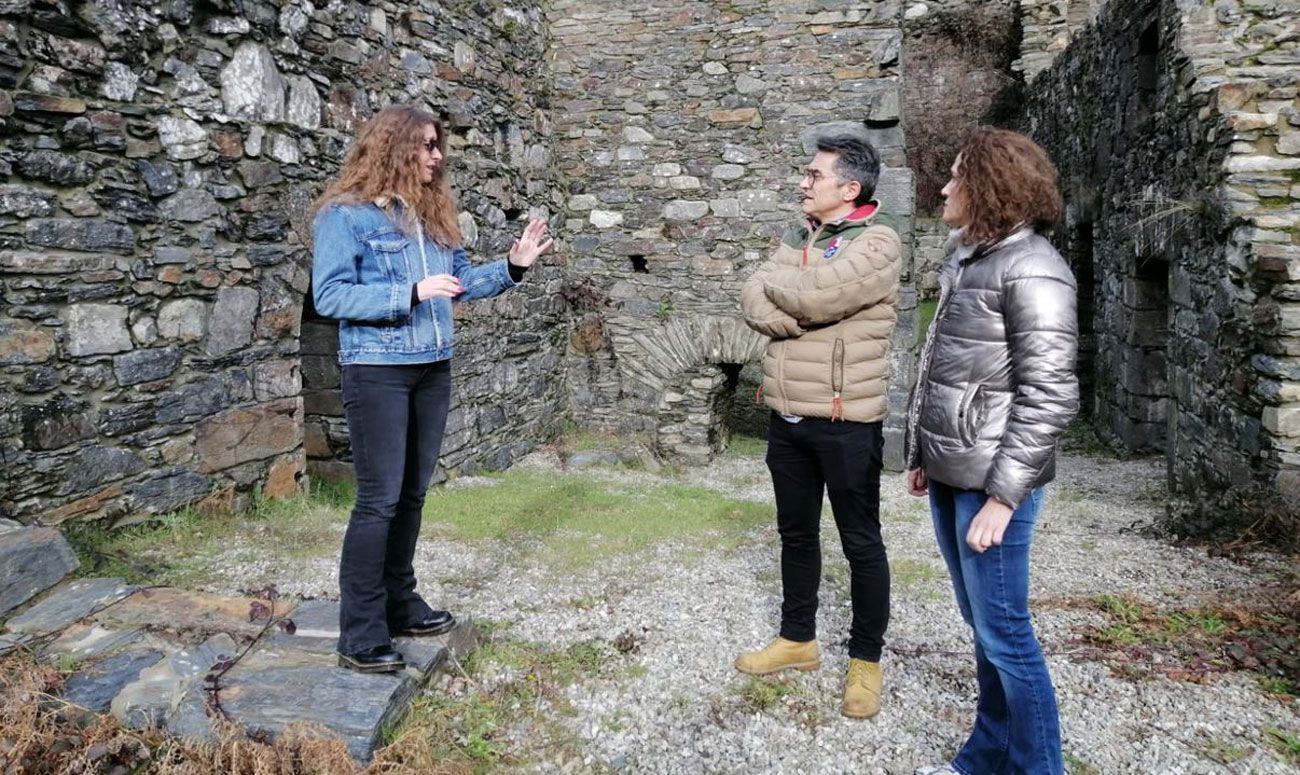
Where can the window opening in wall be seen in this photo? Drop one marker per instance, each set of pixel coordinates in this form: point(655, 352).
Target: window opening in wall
point(639, 264)
point(1147, 65)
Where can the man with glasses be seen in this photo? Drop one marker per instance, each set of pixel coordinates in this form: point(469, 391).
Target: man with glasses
point(826, 298)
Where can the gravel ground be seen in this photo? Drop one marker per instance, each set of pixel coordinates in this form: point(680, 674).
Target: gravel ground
point(676, 705)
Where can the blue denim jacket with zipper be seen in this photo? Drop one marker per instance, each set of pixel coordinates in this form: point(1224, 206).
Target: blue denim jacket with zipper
point(363, 269)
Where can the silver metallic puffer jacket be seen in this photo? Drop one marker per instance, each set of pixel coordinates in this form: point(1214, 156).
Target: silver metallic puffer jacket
point(996, 384)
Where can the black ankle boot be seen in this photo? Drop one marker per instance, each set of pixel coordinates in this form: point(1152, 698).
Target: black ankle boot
point(435, 623)
point(377, 659)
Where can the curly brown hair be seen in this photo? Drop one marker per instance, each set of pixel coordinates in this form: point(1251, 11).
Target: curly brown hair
point(384, 163)
point(1008, 181)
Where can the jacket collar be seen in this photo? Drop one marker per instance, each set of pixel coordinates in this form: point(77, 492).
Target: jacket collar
point(856, 216)
point(964, 253)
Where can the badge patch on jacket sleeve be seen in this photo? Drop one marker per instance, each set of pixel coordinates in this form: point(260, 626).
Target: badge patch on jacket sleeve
point(832, 249)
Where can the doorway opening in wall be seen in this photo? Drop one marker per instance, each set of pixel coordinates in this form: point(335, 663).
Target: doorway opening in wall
point(1146, 66)
point(1146, 373)
point(325, 433)
point(708, 409)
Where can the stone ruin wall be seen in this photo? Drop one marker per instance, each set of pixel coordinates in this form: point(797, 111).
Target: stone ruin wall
point(1184, 227)
point(157, 163)
point(680, 130)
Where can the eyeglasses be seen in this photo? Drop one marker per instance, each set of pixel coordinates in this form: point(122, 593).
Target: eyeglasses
point(816, 177)
point(431, 145)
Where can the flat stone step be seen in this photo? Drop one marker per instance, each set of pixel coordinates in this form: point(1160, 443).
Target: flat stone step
point(145, 659)
point(32, 559)
point(67, 604)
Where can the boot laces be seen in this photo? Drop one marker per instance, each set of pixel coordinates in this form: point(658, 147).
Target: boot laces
point(859, 673)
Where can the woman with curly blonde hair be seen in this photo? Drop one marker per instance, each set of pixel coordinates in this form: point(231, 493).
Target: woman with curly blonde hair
point(387, 263)
point(996, 389)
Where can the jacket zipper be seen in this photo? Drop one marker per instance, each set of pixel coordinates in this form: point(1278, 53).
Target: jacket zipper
point(837, 380)
point(424, 264)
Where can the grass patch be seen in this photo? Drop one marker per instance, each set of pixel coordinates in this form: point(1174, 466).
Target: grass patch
point(925, 317)
point(1081, 438)
point(746, 446)
point(1260, 636)
point(177, 549)
point(1285, 743)
point(760, 695)
point(910, 574)
point(503, 713)
point(1224, 752)
point(579, 520)
point(1076, 766)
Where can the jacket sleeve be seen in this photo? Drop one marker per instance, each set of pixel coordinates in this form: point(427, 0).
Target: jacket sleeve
point(760, 313)
point(834, 290)
point(1042, 340)
point(337, 290)
point(480, 281)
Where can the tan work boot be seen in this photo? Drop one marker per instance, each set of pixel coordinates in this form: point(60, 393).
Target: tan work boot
point(862, 689)
point(780, 654)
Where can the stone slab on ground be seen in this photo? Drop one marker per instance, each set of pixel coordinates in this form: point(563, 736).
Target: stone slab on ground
point(94, 686)
point(183, 611)
point(90, 641)
point(68, 603)
point(32, 559)
point(147, 701)
point(355, 706)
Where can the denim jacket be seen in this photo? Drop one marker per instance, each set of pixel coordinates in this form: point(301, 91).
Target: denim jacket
point(363, 269)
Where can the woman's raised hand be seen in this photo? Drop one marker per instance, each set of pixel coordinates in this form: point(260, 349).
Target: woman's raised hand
point(438, 285)
point(534, 242)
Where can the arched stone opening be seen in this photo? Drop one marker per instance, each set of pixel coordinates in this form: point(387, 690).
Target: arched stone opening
point(694, 365)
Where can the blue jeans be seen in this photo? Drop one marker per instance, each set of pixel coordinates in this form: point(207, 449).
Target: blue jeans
point(1016, 726)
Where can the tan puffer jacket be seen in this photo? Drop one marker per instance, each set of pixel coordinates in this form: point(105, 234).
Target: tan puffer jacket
point(826, 298)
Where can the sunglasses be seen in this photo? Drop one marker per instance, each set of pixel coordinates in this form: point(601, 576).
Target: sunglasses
point(431, 145)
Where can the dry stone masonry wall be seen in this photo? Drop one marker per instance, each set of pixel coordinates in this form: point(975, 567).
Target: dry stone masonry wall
point(680, 135)
point(1184, 229)
point(157, 165)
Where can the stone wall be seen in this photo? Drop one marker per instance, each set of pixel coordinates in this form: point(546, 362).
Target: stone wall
point(963, 53)
point(1047, 28)
point(157, 165)
point(1184, 228)
point(680, 130)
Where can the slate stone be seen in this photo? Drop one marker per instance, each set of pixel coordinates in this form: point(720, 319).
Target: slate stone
point(147, 701)
point(118, 420)
point(190, 205)
point(186, 611)
point(169, 492)
point(146, 365)
point(195, 400)
point(94, 687)
point(56, 423)
point(251, 85)
point(53, 167)
point(256, 174)
point(240, 435)
point(82, 234)
point(96, 465)
point(87, 641)
point(94, 329)
point(69, 603)
point(185, 320)
point(231, 325)
point(22, 343)
point(24, 201)
point(32, 559)
point(128, 204)
point(160, 178)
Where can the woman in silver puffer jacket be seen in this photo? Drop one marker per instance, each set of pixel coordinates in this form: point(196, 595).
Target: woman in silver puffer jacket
point(995, 391)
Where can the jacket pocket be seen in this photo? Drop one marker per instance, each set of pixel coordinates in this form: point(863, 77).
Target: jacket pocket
point(390, 256)
point(969, 413)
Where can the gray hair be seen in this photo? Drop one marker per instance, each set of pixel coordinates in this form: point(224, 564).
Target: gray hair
point(858, 159)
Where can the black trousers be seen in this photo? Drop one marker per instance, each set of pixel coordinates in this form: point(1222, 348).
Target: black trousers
point(844, 459)
point(396, 417)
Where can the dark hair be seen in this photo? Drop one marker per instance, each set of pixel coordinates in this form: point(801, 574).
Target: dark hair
point(857, 160)
point(1007, 180)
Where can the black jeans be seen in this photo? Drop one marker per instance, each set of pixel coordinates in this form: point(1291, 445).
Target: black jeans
point(844, 458)
point(396, 416)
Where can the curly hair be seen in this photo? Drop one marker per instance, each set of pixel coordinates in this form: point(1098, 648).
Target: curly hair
point(384, 163)
point(1007, 181)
